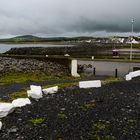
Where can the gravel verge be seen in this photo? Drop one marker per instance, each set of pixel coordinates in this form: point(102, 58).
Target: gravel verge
point(107, 113)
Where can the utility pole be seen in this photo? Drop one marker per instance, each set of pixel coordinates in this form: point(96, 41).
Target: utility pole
point(132, 22)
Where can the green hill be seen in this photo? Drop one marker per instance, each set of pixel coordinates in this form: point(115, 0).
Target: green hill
point(31, 38)
point(26, 37)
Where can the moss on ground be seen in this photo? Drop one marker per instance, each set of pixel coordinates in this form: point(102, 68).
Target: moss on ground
point(101, 132)
point(89, 105)
point(37, 121)
point(98, 137)
point(61, 116)
point(100, 126)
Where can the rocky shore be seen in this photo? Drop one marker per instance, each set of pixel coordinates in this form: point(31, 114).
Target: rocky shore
point(80, 49)
point(12, 65)
point(107, 113)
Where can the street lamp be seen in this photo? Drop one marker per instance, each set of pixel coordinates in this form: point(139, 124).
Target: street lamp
point(92, 65)
point(132, 22)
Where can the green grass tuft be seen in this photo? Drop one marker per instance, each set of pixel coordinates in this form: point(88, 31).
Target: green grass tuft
point(37, 121)
point(63, 85)
point(15, 95)
point(61, 116)
point(111, 80)
point(89, 105)
point(34, 77)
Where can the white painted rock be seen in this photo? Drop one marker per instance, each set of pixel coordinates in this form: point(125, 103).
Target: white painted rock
point(35, 92)
point(132, 75)
point(90, 84)
point(21, 102)
point(5, 109)
point(128, 77)
point(0, 125)
point(50, 90)
point(66, 55)
point(135, 73)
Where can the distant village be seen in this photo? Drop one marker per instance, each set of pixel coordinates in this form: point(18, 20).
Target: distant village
point(122, 40)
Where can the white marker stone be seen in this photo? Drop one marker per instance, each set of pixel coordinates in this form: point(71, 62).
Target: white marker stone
point(21, 102)
point(132, 75)
point(90, 84)
point(35, 92)
point(5, 109)
point(0, 125)
point(50, 90)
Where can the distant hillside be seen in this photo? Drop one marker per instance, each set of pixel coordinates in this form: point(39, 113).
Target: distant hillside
point(31, 38)
point(26, 37)
point(88, 39)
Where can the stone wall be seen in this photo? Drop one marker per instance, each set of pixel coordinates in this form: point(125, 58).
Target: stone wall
point(10, 65)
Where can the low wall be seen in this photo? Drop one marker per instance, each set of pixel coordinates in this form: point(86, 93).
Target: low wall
point(10, 65)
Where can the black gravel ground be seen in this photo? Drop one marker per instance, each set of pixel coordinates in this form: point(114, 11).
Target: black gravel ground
point(108, 113)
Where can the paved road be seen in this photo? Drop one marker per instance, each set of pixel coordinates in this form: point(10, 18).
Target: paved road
point(108, 68)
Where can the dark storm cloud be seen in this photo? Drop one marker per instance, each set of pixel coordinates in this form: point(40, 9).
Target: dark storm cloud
point(62, 17)
point(93, 26)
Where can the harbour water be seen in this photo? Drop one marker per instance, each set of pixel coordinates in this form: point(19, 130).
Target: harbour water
point(6, 47)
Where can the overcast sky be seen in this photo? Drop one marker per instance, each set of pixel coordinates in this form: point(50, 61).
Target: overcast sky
point(69, 17)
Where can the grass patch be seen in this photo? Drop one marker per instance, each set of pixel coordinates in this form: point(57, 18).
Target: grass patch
point(63, 85)
point(24, 78)
point(98, 137)
point(37, 121)
point(111, 80)
point(101, 131)
point(2, 101)
point(132, 122)
point(15, 95)
point(3, 84)
point(61, 116)
point(89, 105)
point(100, 126)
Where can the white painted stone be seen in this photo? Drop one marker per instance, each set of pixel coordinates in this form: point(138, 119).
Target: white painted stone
point(67, 55)
point(74, 68)
point(135, 73)
point(21, 102)
point(92, 57)
point(5, 109)
point(0, 125)
point(50, 90)
point(132, 75)
point(35, 92)
point(90, 84)
point(128, 77)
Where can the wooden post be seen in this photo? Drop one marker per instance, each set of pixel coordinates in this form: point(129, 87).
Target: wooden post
point(94, 71)
point(116, 73)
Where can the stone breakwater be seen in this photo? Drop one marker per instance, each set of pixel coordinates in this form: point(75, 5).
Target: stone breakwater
point(11, 65)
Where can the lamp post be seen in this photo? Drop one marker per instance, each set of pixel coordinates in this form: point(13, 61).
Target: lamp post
point(132, 21)
point(92, 65)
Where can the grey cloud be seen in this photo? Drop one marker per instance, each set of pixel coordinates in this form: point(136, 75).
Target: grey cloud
point(63, 17)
